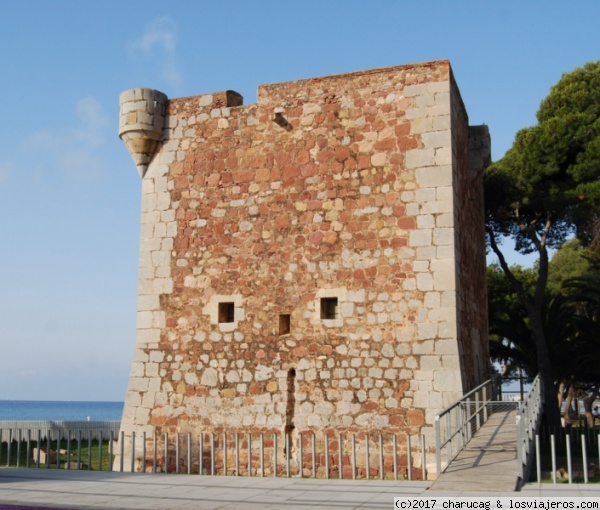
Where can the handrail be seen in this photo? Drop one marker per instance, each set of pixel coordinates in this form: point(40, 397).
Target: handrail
point(469, 413)
point(528, 422)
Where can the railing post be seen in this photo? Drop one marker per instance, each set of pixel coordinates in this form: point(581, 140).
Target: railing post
point(155, 458)
point(132, 451)
point(438, 446)
point(287, 455)
point(569, 467)
point(201, 453)
point(314, 455)
point(395, 453)
point(275, 454)
point(177, 453)
point(381, 475)
point(585, 462)
point(368, 466)
point(39, 446)
point(485, 404)
point(189, 453)
point(519, 445)
point(409, 457)
point(423, 458)
point(166, 436)
point(29, 447)
point(340, 456)
point(538, 460)
point(262, 454)
point(553, 455)
point(300, 456)
point(99, 449)
point(224, 453)
point(353, 457)
point(212, 454)
point(121, 448)
point(249, 453)
point(237, 454)
point(110, 450)
point(326, 456)
point(19, 448)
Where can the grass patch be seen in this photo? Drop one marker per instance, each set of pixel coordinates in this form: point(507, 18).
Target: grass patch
point(85, 454)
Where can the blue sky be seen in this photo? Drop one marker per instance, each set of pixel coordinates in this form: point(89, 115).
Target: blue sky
point(70, 194)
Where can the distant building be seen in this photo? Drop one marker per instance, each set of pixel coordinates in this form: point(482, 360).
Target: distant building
point(314, 262)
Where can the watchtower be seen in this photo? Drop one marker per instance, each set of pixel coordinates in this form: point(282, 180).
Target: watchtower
point(311, 263)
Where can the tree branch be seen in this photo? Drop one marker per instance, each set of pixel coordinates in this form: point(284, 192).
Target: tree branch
point(509, 274)
point(542, 249)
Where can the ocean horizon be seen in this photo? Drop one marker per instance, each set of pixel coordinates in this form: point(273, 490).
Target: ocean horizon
point(60, 410)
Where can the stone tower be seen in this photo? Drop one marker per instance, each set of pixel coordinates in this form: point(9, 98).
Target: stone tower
point(311, 263)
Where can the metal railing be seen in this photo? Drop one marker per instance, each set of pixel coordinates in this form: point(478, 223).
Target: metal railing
point(307, 454)
point(528, 421)
point(68, 444)
point(456, 424)
point(568, 458)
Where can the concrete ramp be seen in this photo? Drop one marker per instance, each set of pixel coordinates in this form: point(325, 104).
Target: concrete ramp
point(489, 461)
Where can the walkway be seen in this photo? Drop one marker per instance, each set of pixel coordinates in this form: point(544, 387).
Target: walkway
point(93, 490)
point(489, 463)
point(127, 491)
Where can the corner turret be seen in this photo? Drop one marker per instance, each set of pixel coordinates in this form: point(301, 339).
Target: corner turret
point(141, 122)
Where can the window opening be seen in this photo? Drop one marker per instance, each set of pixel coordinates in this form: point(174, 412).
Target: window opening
point(329, 307)
point(226, 312)
point(284, 324)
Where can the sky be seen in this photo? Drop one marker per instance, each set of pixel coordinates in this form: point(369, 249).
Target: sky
point(70, 193)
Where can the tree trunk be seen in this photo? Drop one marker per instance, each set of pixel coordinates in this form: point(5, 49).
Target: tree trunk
point(534, 305)
point(561, 394)
point(568, 402)
point(551, 406)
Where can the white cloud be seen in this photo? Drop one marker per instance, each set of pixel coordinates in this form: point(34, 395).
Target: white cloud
point(157, 45)
point(74, 152)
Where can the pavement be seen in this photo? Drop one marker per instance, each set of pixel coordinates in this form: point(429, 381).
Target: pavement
point(489, 461)
point(82, 490)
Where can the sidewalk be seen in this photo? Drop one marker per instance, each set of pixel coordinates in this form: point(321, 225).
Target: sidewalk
point(126, 491)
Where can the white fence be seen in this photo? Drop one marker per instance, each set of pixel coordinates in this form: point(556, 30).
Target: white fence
point(10, 430)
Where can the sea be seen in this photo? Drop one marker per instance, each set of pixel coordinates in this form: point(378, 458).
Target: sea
point(46, 410)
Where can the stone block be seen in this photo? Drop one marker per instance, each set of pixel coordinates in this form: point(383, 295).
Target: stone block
point(420, 237)
point(418, 158)
point(426, 331)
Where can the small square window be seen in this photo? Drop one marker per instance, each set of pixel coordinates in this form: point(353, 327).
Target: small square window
point(329, 307)
point(226, 312)
point(284, 324)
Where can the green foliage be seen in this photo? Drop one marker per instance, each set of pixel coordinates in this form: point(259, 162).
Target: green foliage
point(573, 330)
point(571, 260)
point(551, 172)
point(545, 189)
point(571, 316)
point(510, 332)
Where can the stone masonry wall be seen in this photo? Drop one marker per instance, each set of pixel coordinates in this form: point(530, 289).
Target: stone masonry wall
point(471, 153)
point(301, 266)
